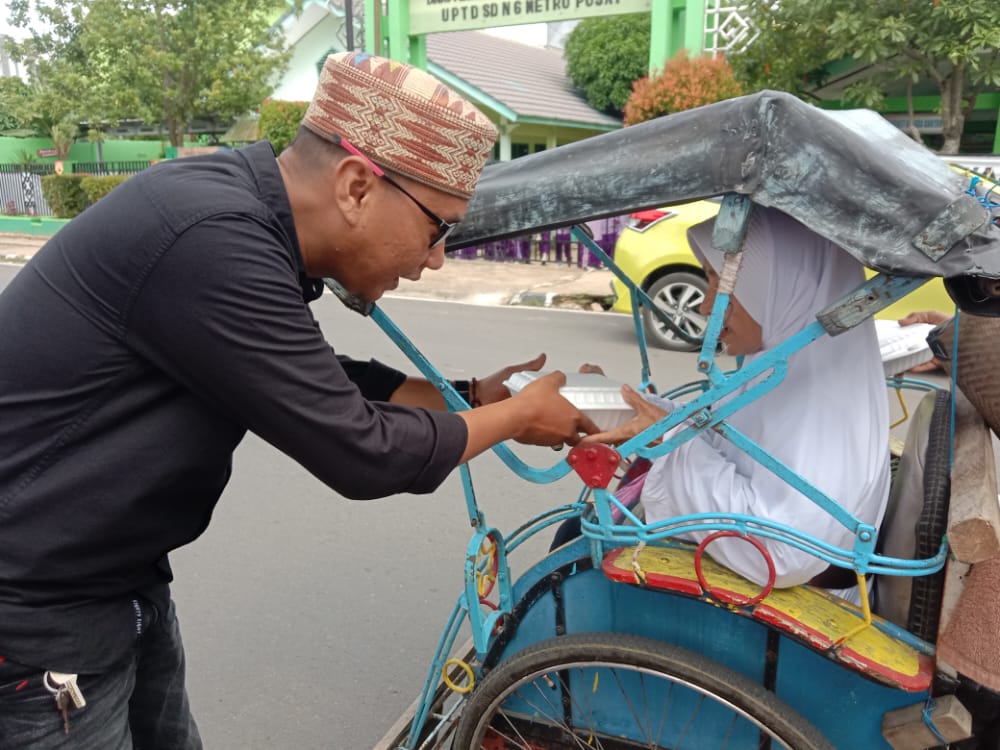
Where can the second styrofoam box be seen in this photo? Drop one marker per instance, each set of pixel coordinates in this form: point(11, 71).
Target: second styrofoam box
point(597, 396)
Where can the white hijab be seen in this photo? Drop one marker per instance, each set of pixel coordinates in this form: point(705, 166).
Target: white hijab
point(828, 421)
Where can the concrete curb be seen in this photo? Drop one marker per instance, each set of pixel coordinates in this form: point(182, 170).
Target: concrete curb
point(577, 301)
point(529, 298)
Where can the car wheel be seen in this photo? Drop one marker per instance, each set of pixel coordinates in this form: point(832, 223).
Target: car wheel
point(679, 295)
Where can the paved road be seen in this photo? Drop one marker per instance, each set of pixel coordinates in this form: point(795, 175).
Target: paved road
point(310, 620)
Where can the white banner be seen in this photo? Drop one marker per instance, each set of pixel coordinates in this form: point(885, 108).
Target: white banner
point(433, 16)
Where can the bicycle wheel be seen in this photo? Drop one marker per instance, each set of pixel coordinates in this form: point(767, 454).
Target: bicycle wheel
point(606, 691)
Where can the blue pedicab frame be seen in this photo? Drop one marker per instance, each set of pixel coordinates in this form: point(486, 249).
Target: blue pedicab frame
point(911, 220)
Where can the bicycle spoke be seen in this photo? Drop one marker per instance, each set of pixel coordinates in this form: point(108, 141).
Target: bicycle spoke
point(690, 722)
point(549, 710)
point(665, 714)
point(638, 722)
point(581, 711)
point(604, 692)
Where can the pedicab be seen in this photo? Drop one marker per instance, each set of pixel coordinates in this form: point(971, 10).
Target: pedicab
point(631, 637)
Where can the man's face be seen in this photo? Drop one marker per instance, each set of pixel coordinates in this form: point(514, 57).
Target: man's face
point(394, 241)
point(740, 334)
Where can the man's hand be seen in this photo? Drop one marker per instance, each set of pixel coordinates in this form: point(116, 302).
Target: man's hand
point(491, 389)
point(538, 415)
point(553, 420)
point(934, 317)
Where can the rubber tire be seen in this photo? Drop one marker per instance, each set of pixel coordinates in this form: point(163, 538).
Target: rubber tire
point(655, 333)
point(633, 652)
point(927, 592)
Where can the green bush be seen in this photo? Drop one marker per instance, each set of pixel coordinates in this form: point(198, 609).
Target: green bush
point(279, 121)
point(96, 188)
point(684, 83)
point(64, 194)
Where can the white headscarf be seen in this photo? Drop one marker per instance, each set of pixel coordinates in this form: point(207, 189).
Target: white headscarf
point(828, 421)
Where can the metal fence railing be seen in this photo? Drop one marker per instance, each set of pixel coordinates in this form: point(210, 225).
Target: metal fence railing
point(21, 189)
point(104, 168)
point(21, 184)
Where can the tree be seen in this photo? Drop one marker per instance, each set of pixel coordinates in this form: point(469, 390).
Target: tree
point(63, 135)
point(684, 83)
point(605, 55)
point(157, 60)
point(60, 89)
point(954, 44)
point(15, 106)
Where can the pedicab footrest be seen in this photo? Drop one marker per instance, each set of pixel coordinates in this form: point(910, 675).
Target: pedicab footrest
point(812, 616)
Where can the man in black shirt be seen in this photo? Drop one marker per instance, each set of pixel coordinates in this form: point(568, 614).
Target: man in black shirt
point(154, 330)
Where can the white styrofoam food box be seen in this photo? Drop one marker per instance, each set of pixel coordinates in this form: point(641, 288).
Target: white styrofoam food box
point(903, 347)
point(597, 396)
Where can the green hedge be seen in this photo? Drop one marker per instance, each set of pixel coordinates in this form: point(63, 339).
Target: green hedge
point(96, 188)
point(64, 194)
point(68, 194)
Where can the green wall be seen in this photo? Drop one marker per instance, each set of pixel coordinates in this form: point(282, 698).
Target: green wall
point(39, 226)
point(112, 150)
point(10, 148)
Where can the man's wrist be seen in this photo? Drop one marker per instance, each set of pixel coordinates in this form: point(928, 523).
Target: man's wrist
point(469, 390)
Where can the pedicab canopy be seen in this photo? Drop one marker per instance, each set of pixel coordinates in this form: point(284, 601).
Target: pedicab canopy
point(850, 176)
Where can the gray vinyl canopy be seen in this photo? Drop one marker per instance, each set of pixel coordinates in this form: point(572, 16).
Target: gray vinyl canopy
point(850, 176)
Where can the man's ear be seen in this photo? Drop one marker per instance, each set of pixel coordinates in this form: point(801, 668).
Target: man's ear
point(353, 188)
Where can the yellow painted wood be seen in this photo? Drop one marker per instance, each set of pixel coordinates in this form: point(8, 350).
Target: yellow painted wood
point(814, 615)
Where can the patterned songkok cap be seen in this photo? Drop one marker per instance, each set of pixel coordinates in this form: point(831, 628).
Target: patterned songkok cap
point(403, 119)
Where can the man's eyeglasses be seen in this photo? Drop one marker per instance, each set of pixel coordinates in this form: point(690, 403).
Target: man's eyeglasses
point(444, 228)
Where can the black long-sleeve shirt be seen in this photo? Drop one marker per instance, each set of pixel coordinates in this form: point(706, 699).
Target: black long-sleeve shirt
point(136, 349)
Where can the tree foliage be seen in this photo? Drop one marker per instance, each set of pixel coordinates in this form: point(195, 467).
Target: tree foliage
point(63, 136)
point(156, 60)
point(684, 83)
point(955, 44)
point(605, 55)
point(15, 104)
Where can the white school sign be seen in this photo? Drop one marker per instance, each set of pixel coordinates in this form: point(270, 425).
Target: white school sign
point(435, 16)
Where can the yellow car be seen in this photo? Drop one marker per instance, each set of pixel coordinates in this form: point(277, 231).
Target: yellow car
point(653, 251)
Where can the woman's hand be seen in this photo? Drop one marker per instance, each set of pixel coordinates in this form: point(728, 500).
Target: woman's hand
point(934, 317)
point(646, 414)
point(490, 390)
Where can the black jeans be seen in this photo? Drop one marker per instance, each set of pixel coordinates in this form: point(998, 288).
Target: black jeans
point(140, 703)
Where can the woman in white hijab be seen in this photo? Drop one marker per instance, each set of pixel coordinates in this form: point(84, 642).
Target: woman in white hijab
point(827, 421)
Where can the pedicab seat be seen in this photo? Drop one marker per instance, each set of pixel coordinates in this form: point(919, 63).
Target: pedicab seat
point(812, 616)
